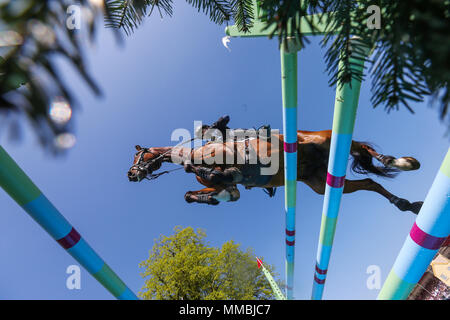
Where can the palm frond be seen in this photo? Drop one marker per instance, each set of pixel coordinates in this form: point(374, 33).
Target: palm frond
point(129, 14)
point(218, 11)
point(29, 80)
point(243, 14)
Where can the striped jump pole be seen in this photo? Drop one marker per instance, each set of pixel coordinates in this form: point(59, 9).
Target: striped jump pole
point(431, 228)
point(20, 187)
point(276, 290)
point(288, 53)
point(345, 106)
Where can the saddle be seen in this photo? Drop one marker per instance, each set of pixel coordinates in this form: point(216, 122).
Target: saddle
point(240, 135)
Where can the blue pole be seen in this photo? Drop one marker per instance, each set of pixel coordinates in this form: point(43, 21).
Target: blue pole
point(428, 233)
point(20, 187)
point(289, 96)
point(346, 104)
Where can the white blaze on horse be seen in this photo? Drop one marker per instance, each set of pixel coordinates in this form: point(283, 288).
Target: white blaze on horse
point(222, 164)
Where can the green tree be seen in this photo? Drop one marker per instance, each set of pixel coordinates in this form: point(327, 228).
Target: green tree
point(184, 266)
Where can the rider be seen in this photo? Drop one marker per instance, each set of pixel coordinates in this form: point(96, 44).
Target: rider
point(220, 124)
point(225, 132)
point(231, 174)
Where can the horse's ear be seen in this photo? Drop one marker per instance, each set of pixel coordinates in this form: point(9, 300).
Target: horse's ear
point(138, 147)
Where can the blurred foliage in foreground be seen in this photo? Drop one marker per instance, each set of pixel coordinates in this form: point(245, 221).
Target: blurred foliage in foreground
point(410, 61)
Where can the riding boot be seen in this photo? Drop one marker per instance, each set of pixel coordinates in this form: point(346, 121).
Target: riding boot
point(204, 173)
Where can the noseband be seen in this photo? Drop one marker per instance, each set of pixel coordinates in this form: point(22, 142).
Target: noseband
point(146, 166)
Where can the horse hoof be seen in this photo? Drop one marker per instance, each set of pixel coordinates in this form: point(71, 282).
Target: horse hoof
point(188, 197)
point(416, 206)
point(402, 204)
point(188, 168)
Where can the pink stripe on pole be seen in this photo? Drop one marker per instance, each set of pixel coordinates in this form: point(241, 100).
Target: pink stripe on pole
point(319, 281)
point(424, 239)
point(290, 233)
point(290, 243)
point(320, 271)
point(70, 240)
point(447, 242)
point(290, 147)
point(335, 182)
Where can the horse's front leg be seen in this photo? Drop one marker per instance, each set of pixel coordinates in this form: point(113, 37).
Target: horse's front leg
point(213, 195)
point(215, 175)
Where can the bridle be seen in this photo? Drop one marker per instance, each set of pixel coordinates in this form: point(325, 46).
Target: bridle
point(146, 166)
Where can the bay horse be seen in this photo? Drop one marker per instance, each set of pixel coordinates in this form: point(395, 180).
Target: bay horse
point(221, 180)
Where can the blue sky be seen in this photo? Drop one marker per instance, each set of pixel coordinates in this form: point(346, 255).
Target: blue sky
point(170, 73)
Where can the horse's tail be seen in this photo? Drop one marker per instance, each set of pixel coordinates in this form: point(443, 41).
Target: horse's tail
point(362, 162)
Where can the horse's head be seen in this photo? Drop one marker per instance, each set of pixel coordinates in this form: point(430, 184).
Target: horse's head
point(146, 160)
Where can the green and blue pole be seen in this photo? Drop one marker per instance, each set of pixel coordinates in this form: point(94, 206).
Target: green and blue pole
point(345, 107)
point(288, 53)
point(27, 195)
point(428, 233)
point(289, 92)
point(276, 290)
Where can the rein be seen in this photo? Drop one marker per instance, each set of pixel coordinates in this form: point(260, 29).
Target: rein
point(154, 176)
point(146, 167)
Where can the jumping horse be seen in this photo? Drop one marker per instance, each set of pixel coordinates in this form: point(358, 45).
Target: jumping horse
point(221, 180)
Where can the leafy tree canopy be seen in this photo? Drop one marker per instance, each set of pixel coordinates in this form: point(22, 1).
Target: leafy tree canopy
point(184, 266)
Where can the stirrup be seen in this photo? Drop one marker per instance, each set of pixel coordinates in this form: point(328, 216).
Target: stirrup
point(268, 131)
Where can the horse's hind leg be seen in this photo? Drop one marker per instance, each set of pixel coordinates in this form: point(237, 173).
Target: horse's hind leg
point(403, 163)
point(370, 185)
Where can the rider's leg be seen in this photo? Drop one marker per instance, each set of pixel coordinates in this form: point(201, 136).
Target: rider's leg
point(216, 175)
point(202, 196)
point(213, 195)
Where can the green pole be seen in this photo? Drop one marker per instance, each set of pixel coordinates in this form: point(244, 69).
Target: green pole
point(276, 290)
point(288, 53)
point(346, 104)
point(27, 195)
